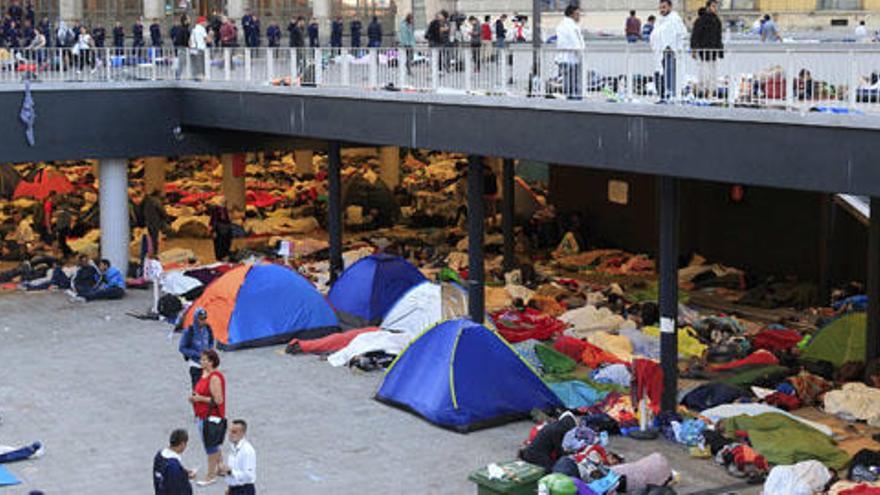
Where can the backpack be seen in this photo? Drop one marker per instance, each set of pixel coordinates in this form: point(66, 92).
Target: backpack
point(169, 306)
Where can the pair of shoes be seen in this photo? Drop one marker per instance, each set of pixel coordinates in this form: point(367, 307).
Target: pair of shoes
point(70, 293)
point(206, 482)
point(77, 299)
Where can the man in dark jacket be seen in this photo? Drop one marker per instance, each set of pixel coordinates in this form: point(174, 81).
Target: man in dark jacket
point(137, 33)
point(500, 31)
point(156, 34)
point(155, 218)
point(336, 33)
point(119, 37)
point(374, 33)
point(196, 338)
point(355, 27)
point(169, 475)
point(707, 47)
point(295, 29)
point(313, 33)
point(273, 35)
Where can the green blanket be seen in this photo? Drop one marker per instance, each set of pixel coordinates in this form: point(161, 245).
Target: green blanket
point(553, 361)
point(748, 377)
point(783, 440)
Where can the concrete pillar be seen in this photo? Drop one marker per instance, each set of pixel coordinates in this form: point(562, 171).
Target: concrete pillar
point(233, 180)
point(113, 199)
point(322, 10)
point(154, 173)
point(305, 163)
point(235, 10)
point(69, 11)
point(389, 166)
point(154, 9)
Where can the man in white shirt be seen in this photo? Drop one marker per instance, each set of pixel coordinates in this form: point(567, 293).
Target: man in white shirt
point(861, 31)
point(198, 43)
point(240, 468)
point(570, 42)
point(666, 40)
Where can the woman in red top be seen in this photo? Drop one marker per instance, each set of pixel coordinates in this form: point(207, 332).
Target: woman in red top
point(209, 399)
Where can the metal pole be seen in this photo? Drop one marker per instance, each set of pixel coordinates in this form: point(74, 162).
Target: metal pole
point(334, 210)
point(536, 39)
point(507, 211)
point(669, 229)
point(826, 236)
point(476, 277)
point(872, 349)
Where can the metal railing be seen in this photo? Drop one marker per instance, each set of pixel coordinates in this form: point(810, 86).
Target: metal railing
point(805, 78)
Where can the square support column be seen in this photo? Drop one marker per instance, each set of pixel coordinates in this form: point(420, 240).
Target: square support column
point(334, 209)
point(508, 206)
point(670, 215)
point(872, 344)
point(305, 163)
point(233, 180)
point(476, 232)
point(389, 166)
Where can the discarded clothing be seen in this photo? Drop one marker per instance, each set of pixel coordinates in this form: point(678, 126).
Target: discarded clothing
point(589, 318)
point(808, 387)
point(553, 361)
point(516, 326)
point(330, 343)
point(570, 346)
point(389, 342)
point(856, 400)
point(643, 345)
point(617, 345)
point(712, 394)
point(653, 469)
point(648, 377)
point(803, 478)
point(575, 394)
point(594, 357)
point(688, 344)
point(617, 374)
point(526, 350)
point(776, 340)
point(760, 357)
point(579, 438)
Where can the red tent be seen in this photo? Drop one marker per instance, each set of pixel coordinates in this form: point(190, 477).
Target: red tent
point(46, 181)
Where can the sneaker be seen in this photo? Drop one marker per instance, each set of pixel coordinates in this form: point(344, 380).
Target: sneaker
point(77, 299)
point(70, 293)
point(206, 482)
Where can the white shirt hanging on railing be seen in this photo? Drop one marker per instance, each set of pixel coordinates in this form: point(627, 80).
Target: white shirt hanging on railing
point(669, 32)
point(569, 37)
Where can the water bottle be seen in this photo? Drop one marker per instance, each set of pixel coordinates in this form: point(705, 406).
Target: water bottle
point(543, 489)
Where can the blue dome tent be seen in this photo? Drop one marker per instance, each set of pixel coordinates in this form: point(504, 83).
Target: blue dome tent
point(462, 376)
point(368, 289)
point(254, 305)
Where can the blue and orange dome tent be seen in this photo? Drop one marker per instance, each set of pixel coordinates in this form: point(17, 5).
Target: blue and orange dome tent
point(256, 305)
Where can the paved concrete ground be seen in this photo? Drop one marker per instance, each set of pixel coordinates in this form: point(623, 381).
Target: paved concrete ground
point(103, 390)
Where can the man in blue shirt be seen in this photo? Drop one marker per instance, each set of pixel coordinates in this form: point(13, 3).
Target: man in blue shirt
point(194, 340)
point(273, 34)
point(374, 33)
point(137, 33)
point(111, 285)
point(156, 34)
point(336, 33)
point(355, 27)
point(169, 475)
